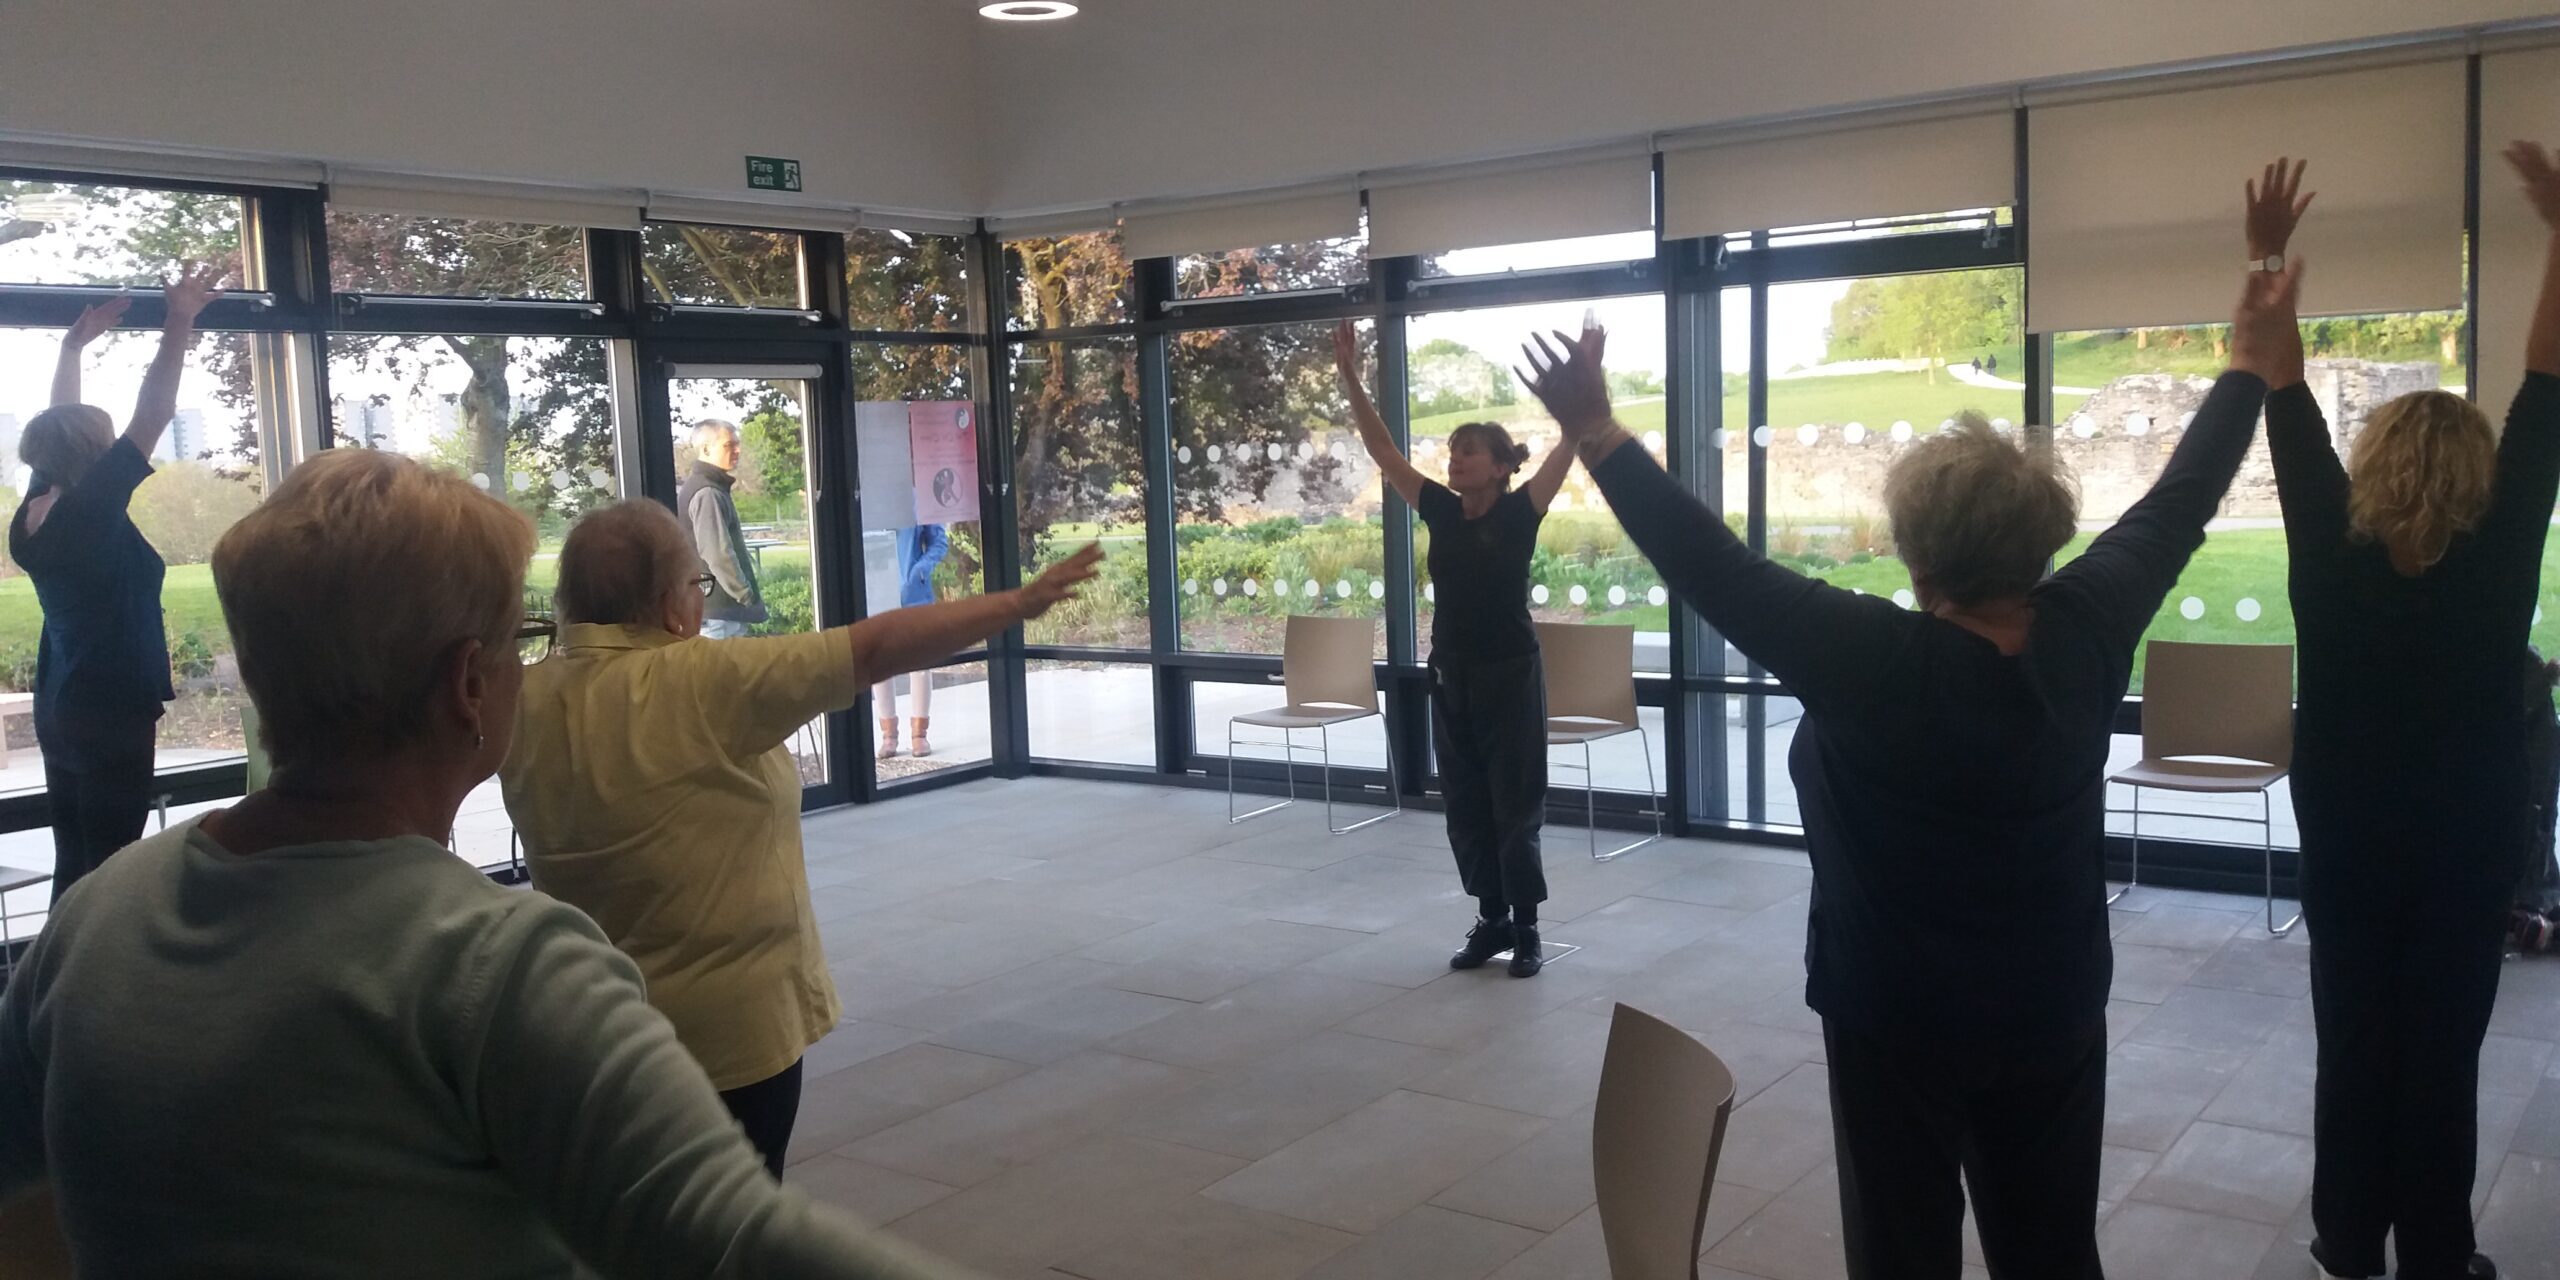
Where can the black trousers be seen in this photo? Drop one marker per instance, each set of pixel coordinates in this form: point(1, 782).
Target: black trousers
point(767, 1109)
point(1920, 1124)
point(97, 774)
point(2405, 954)
point(1489, 724)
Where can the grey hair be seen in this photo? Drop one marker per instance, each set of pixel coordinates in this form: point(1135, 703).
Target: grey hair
point(63, 442)
point(1976, 516)
point(710, 429)
point(619, 563)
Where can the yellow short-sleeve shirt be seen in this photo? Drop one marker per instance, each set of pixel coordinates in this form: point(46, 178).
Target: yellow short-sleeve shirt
point(653, 784)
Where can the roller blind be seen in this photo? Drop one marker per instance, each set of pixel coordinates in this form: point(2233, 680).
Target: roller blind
point(113, 162)
point(1511, 206)
point(2519, 98)
point(2134, 205)
point(1882, 171)
point(492, 202)
point(752, 213)
point(1044, 226)
point(1218, 226)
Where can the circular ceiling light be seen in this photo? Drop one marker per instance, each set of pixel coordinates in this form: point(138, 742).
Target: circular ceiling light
point(1027, 10)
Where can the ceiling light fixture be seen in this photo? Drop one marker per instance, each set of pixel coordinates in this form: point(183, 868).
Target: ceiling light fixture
point(1027, 10)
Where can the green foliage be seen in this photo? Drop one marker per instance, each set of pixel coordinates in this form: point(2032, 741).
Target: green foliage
point(789, 606)
point(185, 507)
point(1941, 316)
point(770, 437)
point(190, 657)
point(1445, 376)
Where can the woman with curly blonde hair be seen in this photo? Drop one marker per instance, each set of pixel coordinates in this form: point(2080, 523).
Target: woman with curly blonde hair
point(2414, 571)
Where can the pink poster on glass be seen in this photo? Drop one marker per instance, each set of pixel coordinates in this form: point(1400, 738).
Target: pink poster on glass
point(942, 437)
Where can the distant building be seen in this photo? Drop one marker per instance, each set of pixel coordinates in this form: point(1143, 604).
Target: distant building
point(185, 440)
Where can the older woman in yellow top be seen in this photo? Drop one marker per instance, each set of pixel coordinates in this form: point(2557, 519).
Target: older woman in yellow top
point(654, 787)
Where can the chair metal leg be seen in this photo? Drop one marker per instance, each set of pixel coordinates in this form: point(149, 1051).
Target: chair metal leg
point(1398, 800)
point(1652, 791)
point(2136, 876)
point(2267, 828)
point(161, 803)
point(1288, 771)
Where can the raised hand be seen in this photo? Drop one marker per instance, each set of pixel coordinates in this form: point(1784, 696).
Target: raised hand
point(2275, 207)
point(1346, 351)
point(2266, 329)
point(96, 320)
point(1059, 581)
point(2541, 179)
point(189, 294)
point(1573, 385)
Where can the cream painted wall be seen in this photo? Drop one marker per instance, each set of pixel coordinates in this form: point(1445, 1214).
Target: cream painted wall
point(877, 97)
point(1135, 98)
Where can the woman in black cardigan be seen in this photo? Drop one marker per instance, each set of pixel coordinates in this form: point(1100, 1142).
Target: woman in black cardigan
point(2414, 568)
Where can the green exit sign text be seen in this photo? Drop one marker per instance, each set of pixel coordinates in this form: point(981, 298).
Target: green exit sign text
point(772, 173)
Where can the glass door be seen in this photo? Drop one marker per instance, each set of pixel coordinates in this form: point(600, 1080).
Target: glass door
point(753, 431)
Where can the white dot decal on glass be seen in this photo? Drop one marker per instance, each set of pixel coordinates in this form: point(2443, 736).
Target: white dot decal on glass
point(563, 481)
point(1337, 452)
point(1808, 434)
point(2247, 609)
point(1428, 594)
point(2000, 424)
point(1306, 450)
point(1578, 596)
point(1190, 586)
point(1341, 589)
point(600, 478)
point(1761, 436)
point(1617, 596)
point(1904, 598)
point(1653, 442)
point(1717, 438)
point(1857, 591)
point(2083, 428)
point(2186, 420)
point(519, 481)
point(1252, 588)
point(1854, 433)
point(1182, 454)
point(1276, 452)
point(2137, 424)
point(1313, 591)
point(1377, 590)
point(1425, 447)
point(1901, 432)
point(480, 480)
point(1656, 596)
point(1538, 594)
point(1219, 586)
point(2191, 609)
point(1213, 453)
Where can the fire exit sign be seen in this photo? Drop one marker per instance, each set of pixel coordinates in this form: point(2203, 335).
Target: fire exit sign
point(772, 173)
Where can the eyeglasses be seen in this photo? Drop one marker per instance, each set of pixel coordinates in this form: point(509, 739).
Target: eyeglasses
point(705, 582)
point(534, 637)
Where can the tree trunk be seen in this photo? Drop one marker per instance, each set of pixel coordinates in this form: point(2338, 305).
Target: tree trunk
point(2142, 339)
point(487, 409)
point(2450, 346)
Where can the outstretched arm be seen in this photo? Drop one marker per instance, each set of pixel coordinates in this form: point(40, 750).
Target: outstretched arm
point(1548, 479)
point(2542, 186)
point(2529, 451)
point(93, 321)
point(1392, 464)
point(2311, 485)
point(158, 403)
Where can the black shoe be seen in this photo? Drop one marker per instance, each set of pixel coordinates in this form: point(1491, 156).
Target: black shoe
point(1526, 959)
point(1488, 939)
point(2321, 1253)
point(2479, 1268)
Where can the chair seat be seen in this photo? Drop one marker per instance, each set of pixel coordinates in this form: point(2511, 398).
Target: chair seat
point(1303, 717)
point(1571, 730)
point(2199, 775)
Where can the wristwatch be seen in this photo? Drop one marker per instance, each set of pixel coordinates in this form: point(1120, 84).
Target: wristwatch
point(2273, 262)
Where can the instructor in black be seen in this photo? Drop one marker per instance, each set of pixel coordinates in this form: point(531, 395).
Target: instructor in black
point(1951, 764)
point(2414, 570)
point(1488, 695)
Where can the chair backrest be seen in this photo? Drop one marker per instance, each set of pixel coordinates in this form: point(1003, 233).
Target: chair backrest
point(1591, 671)
point(1330, 661)
point(1655, 1135)
point(2218, 700)
point(260, 766)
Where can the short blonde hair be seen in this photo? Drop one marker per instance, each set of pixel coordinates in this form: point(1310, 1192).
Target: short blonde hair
point(63, 442)
point(351, 581)
point(1976, 517)
point(2420, 473)
point(621, 561)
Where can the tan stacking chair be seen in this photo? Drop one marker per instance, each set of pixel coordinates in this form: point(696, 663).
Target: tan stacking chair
point(1591, 695)
point(1655, 1136)
point(1326, 665)
point(2231, 701)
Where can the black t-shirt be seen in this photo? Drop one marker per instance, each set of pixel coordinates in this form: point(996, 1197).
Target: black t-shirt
point(1480, 575)
point(103, 648)
point(1953, 795)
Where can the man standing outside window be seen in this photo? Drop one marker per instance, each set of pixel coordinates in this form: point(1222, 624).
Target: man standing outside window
point(731, 601)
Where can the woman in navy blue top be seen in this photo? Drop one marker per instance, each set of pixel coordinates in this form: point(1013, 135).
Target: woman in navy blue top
point(1488, 693)
point(921, 550)
point(2414, 569)
point(102, 665)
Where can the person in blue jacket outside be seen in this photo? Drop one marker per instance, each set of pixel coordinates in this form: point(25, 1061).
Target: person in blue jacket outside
point(920, 550)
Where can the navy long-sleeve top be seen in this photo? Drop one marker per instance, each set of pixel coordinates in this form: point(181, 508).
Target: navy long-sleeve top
point(1953, 795)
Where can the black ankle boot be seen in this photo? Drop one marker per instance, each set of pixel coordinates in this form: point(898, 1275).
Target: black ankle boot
point(1526, 959)
point(1488, 939)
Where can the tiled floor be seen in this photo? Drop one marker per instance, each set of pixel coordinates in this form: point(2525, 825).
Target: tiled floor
point(1093, 1032)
